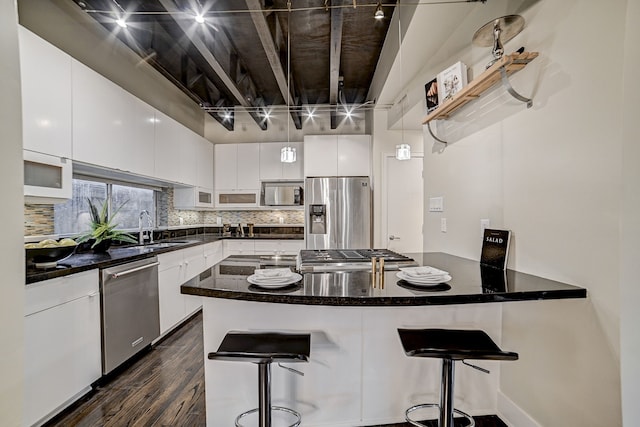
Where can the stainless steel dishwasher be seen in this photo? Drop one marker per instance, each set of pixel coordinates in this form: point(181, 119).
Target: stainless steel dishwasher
point(130, 313)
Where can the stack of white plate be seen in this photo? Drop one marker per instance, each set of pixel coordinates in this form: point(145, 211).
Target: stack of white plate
point(423, 276)
point(273, 278)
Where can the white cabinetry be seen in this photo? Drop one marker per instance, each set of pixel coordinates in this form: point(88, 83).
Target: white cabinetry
point(111, 127)
point(272, 169)
point(176, 151)
point(171, 301)
point(62, 343)
point(237, 175)
point(337, 155)
point(213, 253)
point(278, 247)
point(204, 163)
point(46, 96)
point(176, 268)
point(238, 247)
point(321, 154)
point(201, 196)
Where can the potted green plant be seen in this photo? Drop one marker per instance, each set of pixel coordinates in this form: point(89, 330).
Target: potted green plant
point(103, 230)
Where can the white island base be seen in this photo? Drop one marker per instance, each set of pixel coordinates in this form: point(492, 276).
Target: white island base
point(358, 374)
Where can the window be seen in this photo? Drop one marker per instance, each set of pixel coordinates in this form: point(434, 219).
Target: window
point(73, 216)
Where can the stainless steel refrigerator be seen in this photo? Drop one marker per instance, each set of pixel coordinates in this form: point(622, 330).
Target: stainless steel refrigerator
point(338, 213)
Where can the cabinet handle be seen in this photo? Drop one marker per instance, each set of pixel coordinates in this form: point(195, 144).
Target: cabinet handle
point(93, 294)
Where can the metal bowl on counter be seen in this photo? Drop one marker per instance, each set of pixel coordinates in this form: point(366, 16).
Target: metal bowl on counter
point(49, 255)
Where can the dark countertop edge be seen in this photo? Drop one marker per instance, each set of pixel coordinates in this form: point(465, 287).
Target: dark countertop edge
point(200, 239)
point(386, 301)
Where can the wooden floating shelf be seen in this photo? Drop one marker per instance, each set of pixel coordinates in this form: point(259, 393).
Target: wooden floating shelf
point(511, 63)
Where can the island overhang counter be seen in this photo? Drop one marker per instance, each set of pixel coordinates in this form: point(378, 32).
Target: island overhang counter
point(358, 374)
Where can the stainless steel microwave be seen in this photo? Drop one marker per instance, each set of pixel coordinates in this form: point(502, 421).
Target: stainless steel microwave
point(279, 194)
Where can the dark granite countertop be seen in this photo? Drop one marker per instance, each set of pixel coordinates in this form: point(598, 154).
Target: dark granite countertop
point(119, 255)
point(469, 284)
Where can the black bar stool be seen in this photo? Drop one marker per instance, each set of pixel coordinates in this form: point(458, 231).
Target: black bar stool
point(449, 345)
point(264, 348)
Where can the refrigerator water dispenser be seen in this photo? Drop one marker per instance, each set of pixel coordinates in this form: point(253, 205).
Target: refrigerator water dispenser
point(318, 219)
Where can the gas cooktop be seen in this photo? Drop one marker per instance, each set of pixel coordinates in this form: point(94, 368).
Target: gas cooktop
point(349, 259)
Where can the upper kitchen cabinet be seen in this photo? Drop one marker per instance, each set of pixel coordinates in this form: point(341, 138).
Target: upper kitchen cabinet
point(201, 196)
point(237, 175)
point(337, 155)
point(237, 167)
point(272, 169)
point(111, 127)
point(204, 163)
point(46, 96)
point(176, 151)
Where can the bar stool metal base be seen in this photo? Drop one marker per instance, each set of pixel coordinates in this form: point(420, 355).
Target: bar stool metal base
point(273, 408)
point(469, 418)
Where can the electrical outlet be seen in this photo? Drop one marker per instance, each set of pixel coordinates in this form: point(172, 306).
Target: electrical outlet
point(484, 223)
point(443, 225)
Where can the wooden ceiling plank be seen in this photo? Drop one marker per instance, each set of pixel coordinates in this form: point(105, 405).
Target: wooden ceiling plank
point(200, 45)
point(334, 54)
point(286, 88)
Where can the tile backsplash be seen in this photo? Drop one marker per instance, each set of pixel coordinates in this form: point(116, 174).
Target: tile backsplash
point(38, 219)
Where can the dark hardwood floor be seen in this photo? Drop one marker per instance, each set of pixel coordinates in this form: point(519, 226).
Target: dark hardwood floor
point(164, 387)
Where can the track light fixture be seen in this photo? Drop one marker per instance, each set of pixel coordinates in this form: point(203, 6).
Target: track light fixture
point(379, 13)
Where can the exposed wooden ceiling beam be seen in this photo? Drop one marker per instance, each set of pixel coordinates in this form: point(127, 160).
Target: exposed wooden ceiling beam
point(223, 75)
point(287, 88)
point(334, 59)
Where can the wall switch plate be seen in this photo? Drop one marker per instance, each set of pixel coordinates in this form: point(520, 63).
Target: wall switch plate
point(443, 225)
point(436, 204)
point(484, 223)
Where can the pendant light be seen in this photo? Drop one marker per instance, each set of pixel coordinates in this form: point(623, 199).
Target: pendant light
point(403, 150)
point(288, 153)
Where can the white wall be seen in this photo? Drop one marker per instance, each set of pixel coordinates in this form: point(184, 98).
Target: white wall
point(552, 174)
point(630, 223)
point(12, 264)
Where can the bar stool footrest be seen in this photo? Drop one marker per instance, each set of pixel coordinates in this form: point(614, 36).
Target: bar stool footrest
point(273, 408)
point(469, 418)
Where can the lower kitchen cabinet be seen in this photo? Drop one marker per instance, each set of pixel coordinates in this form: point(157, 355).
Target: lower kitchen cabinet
point(213, 254)
point(62, 343)
point(278, 247)
point(176, 268)
point(262, 247)
point(238, 247)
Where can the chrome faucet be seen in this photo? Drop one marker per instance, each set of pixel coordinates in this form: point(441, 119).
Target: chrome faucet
point(141, 229)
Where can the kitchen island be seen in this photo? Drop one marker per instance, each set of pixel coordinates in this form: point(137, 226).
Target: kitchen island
point(358, 374)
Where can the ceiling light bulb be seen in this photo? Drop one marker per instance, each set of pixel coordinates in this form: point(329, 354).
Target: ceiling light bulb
point(403, 152)
point(121, 22)
point(379, 13)
point(199, 19)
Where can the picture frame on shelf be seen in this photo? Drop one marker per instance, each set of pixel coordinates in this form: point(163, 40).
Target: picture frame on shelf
point(451, 81)
point(431, 94)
